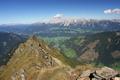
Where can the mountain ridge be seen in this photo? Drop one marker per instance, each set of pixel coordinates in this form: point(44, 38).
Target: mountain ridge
point(30, 58)
point(66, 28)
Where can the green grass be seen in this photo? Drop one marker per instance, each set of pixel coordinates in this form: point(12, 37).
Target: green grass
point(70, 53)
point(116, 67)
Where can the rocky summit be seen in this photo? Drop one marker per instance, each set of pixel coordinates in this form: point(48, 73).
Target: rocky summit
point(35, 60)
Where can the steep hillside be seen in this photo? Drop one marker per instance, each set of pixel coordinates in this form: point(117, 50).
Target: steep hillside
point(101, 48)
point(8, 42)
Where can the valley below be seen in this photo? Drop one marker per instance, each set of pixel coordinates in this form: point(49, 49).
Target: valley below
point(60, 52)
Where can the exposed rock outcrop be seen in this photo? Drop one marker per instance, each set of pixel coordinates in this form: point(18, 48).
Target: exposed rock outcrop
point(104, 73)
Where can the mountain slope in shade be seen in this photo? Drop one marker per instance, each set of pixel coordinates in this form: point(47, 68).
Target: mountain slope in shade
point(33, 60)
point(8, 42)
point(64, 27)
point(101, 48)
point(106, 47)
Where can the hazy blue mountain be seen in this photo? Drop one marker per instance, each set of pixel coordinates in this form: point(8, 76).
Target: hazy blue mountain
point(63, 28)
point(100, 47)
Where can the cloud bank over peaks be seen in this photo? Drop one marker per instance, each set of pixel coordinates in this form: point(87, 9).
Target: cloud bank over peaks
point(61, 19)
point(112, 11)
point(58, 16)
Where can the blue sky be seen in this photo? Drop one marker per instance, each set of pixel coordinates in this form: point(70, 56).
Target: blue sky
point(27, 11)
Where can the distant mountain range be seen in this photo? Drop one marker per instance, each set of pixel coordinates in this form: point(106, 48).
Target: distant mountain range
point(96, 32)
point(66, 27)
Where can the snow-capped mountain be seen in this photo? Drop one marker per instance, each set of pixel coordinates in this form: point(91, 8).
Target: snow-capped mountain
point(60, 19)
point(61, 25)
point(66, 21)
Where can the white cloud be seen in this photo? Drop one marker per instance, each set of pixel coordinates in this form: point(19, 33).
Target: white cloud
point(112, 11)
point(58, 16)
